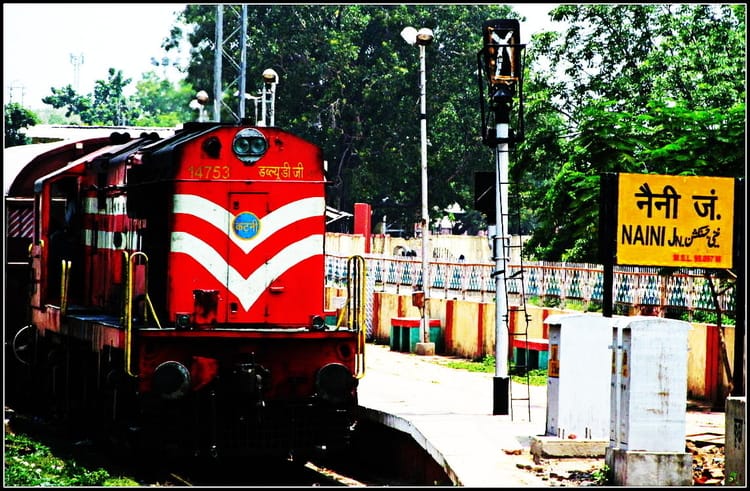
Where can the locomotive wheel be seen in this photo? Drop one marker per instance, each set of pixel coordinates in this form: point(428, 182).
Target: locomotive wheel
point(23, 344)
point(19, 381)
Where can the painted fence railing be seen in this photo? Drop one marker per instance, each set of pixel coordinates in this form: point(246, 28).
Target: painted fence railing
point(633, 285)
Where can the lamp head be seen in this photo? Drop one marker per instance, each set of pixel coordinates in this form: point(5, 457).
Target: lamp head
point(202, 97)
point(409, 34)
point(270, 76)
point(422, 37)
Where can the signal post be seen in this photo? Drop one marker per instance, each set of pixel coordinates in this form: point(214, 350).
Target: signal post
point(500, 62)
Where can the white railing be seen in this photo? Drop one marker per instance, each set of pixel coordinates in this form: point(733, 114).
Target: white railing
point(687, 289)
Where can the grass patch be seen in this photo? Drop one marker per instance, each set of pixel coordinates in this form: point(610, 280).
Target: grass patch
point(487, 365)
point(30, 463)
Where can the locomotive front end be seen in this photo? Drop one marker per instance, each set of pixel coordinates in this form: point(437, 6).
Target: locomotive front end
point(244, 360)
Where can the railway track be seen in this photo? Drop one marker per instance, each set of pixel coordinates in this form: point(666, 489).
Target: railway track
point(255, 473)
point(69, 443)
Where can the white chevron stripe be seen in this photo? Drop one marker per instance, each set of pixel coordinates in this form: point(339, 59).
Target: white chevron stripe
point(220, 218)
point(246, 289)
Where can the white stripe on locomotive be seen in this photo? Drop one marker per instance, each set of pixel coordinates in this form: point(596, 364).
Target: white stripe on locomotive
point(247, 290)
point(221, 218)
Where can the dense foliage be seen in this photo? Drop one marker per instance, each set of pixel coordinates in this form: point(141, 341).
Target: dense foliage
point(17, 120)
point(107, 106)
point(156, 102)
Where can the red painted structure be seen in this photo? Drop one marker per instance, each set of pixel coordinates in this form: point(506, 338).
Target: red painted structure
point(177, 287)
point(363, 223)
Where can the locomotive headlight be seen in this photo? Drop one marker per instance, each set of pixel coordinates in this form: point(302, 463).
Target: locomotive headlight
point(334, 382)
point(249, 145)
point(318, 323)
point(182, 321)
point(171, 380)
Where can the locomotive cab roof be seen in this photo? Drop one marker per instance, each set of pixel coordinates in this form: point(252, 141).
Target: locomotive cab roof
point(119, 147)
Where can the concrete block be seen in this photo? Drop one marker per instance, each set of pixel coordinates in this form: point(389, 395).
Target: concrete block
point(735, 438)
point(639, 468)
point(553, 447)
point(415, 337)
point(426, 349)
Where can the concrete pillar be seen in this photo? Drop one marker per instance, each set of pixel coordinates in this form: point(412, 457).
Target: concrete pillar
point(734, 442)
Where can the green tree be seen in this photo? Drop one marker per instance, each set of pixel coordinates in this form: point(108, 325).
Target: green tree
point(663, 95)
point(156, 102)
point(107, 106)
point(160, 103)
point(17, 120)
point(67, 98)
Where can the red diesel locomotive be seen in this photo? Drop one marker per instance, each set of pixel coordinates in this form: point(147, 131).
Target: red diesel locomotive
point(177, 291)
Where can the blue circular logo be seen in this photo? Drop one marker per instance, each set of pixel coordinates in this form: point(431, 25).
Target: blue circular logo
point(246, 225)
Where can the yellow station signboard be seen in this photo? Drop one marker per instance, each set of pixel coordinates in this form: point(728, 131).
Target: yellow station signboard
point(679, 221)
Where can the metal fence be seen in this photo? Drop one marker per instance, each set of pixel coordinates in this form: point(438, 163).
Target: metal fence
point(687, 289)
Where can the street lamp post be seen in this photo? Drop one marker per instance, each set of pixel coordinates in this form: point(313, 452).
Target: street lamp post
point(270, 80)
point(423, 38)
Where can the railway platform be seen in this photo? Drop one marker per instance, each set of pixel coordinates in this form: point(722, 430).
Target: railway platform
point(448, 412)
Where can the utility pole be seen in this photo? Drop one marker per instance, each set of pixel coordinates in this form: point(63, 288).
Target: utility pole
point(16, 86)
point(241, 67)
point(243, 63)
point(218, 57)
point(76, 61)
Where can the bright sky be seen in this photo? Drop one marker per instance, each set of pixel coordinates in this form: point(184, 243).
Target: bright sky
point(537, 19)
point(44, 45)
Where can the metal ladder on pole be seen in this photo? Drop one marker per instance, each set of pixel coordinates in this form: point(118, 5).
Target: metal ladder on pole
point(514, 282)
